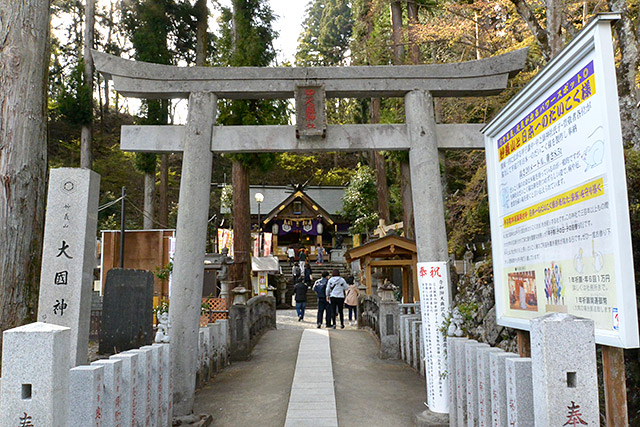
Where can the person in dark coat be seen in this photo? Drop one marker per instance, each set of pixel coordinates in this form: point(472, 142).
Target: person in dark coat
point(301, 299)
point(307, 274)
point(320, 288)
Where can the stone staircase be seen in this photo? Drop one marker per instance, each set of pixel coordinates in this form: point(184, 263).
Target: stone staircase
point(316, 272)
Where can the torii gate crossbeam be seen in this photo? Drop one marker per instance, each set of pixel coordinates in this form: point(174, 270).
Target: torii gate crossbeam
point(203, 86)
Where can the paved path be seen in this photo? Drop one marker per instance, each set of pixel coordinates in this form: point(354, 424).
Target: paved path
point(312, 402)
point(368, 391)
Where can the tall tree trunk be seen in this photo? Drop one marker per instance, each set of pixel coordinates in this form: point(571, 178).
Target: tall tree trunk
point(202, 13)
point(163, 190)
point(381, 169)
point(407, 199)
point(149, 196)
point(241, 225)
point(628, 35)
point(86, 156)
point(24, 34)
point(554, 26)
point(396, 32)
point(414, 48)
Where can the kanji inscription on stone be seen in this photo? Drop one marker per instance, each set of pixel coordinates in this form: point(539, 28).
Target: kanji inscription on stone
point(310, 111)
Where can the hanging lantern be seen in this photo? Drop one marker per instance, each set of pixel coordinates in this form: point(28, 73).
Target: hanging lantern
point(319, 227)
point(274, 228)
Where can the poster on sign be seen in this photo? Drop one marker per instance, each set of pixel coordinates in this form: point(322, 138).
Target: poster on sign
point(433, 282)
point(558, 197)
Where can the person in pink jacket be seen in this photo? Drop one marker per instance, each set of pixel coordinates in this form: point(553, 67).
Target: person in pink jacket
point(351, 300)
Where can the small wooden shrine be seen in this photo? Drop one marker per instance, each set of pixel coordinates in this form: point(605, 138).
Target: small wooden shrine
point(389, 251)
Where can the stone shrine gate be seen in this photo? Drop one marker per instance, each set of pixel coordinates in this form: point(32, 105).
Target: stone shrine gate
point(203, 86)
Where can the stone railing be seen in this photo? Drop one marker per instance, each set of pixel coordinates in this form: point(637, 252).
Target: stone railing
point(369, 312)
point(213, 354)
point(381, 316)
point(411, 336)
point(248, 321)
point(38, 388)
point(557, 385)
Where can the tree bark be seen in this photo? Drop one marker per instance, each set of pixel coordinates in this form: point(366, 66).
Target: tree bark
point(24, 34)
point(538, 32)
point(628, 36)
point(381, 169)
point(554, 26)
point(163, 190)
point(202, 13)
point(241, 225)
point(412, 13)
point(407, 199)
point(149, 197)
point(396, 32)
point(86, 156)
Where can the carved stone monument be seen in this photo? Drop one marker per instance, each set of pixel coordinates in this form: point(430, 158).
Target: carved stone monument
point(69, 255)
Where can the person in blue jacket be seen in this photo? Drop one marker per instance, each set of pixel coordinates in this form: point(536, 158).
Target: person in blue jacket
point(320, 288)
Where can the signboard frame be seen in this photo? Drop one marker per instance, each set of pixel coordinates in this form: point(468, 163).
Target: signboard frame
point(595, 42)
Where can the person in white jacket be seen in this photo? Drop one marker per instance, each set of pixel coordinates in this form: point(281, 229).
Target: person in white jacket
point(336, 289)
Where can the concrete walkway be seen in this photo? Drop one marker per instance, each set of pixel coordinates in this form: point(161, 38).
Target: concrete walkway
point(368, 391)
point(312, 402)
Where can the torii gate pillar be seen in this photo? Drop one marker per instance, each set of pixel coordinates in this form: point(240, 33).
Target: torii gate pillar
point(188, 266)
point(428, 205)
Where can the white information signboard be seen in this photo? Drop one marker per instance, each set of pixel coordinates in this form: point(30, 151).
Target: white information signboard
point(558, 197)
point(433, 282)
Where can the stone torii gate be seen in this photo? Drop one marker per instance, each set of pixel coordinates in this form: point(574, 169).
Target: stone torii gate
point(203, 86)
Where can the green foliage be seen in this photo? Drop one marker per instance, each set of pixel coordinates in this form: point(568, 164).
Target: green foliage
point(74, 101)
point(326, 34)
point(359, 201)
point(163, 273)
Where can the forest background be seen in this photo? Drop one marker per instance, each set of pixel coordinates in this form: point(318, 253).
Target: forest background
point(334, 33)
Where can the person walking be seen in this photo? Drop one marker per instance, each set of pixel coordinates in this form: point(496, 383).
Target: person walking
point(291, 254)
point(301, 299)
point(302, 257)
point(307, 274)
point(296, 272)
point(320, 288)
point(319, 254)
point(351, 300)
point(336, 289)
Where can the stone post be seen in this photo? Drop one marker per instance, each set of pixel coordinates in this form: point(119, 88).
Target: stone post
point(224, 349)
point(451, 375)
point(155, 382)
point(164, 397)
point(188, 266)
point(35, 376)
point(69, 255)
point(471, 362)
point(430, 231)
point(484, 385)
point(519, 392)
point(86, 394)
point(239, 330)
point(389, 330)
point(130, 388)
point(112, 414)
point(565, 381)
point(499, 387)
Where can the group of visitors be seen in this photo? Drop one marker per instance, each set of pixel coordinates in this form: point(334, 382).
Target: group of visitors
point(333, 294)
point(301, 255)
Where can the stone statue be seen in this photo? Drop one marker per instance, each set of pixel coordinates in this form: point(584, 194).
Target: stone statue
point(162, 336)
point(224, 264)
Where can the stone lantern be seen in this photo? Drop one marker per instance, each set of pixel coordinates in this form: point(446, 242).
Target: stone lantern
point(240, 295)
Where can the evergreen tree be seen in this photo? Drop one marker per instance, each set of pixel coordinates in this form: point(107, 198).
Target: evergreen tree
point(149, 24)
point(247, 40)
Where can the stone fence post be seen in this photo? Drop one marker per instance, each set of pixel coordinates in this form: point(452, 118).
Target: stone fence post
point(389, 329)
point(240, 335)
